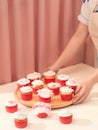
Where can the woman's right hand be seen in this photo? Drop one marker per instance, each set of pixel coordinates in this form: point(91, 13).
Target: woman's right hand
point(52, 68)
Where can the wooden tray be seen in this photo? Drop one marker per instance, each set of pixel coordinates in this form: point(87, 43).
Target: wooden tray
point(56, 101)
point(76, 71)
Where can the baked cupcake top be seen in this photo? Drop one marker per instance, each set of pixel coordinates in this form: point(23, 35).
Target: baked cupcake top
point(20, 116)
point(23, 81)
point(37, 83)
point(26, 89)
point(65, 113)
point(53, 85)
point(10, 103)
point(33, 76)
point(62, 76)
point(41, 107)
point(49, 73)
point(42, 104)
point(66, 90)
point(71, 82)
point(45, 92)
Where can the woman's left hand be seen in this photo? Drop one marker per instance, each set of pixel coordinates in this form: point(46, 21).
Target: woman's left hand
point(82, 92)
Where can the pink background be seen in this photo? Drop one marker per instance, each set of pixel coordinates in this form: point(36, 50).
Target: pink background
point(33, 34)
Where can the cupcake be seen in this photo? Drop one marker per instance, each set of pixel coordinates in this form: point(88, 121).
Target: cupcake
point(11, 106)
point(54, 86)
point(62, 78)
point(33, 76)
point(71, 83)
point(36, 85)
point(49, 76)
point(66, 93)
point(20, 120)
point(45, 95)
point(65, 117)
point(23, 82)
point(26, 93)
point(41, 109)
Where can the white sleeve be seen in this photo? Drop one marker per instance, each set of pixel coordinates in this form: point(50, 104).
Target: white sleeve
point(85, 12)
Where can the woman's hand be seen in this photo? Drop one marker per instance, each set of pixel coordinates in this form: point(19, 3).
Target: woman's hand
point(53, 68)
point(82, 92)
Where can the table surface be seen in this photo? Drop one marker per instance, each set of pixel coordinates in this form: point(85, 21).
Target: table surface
point(85, 115)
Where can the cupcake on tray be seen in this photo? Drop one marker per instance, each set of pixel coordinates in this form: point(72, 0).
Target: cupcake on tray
point(54, 86)
point(49, 76)
point(20, 120)
point(45, 95)
point(62, 78)
point(41, 109)
point(23, 82)
point(66, 93)
point(65, 116)
point(11, 106)
point(71, 83)
point(26, 93)
point(36, 85)
point(34, 76)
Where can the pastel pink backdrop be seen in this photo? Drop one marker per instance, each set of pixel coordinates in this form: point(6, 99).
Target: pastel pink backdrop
point(33, 34)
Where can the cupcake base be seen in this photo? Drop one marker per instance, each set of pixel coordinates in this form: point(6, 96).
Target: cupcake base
point(62, 82)
point(66, 97)
point(74, 88)
point(35, 90)
point(42, 115)
point(55, 90)
point(47, 100)
point(11, 109)
point(20, 123)
point(26, 96)
point(49, 79)
point(66, 120)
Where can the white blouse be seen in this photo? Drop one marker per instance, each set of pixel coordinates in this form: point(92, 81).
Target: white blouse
point(85, 11)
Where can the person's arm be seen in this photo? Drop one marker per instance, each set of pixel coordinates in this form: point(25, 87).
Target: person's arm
point(84, 88)
point(72, 48)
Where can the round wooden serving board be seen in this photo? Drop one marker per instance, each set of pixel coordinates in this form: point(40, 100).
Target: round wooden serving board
point(56, 101)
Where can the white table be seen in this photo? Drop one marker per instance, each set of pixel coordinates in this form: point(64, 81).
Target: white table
point(85, 115)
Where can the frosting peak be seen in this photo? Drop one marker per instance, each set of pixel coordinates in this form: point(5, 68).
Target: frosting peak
point(53, 85)
point(62, 76)
point(26, 89)
point(41, 107)
point(66, 90)
point(11, 103)
point(71, 82)
point(49, 73)
point(20, 116)
point(45, 92)
point(23, 81)
point(37, 83)
point(65, 113)
point(34, 75)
